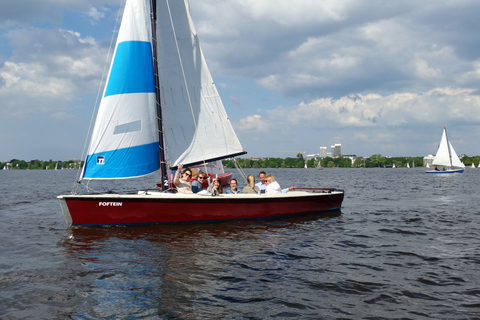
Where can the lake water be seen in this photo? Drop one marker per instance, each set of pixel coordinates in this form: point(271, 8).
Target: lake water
point(406, 245)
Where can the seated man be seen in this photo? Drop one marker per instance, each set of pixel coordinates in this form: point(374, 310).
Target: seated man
point(261, 185)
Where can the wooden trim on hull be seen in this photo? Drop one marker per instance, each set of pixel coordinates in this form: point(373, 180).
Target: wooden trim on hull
point(162, 208)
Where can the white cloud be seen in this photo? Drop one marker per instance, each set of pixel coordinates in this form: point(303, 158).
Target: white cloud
point(50, 70)
point(252, 123)
point(95, 14)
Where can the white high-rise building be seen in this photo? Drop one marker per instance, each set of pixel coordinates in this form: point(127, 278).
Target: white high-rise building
point(336, 150)
point(323, 152)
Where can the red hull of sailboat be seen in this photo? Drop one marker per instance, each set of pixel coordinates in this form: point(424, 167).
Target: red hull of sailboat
point(144, 210)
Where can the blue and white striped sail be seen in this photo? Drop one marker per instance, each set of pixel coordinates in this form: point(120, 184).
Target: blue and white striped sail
point(196, 127)
point(124, 140)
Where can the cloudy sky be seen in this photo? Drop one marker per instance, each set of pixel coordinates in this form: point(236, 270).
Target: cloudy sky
point(377, 76)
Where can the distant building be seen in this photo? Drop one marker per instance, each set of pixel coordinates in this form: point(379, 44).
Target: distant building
point(428, 160)
point(337, 150)
point(323, 152)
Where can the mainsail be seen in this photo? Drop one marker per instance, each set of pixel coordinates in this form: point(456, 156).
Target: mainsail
point(196, 128)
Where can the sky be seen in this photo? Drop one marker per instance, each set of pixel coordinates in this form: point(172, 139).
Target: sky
point(378, 76)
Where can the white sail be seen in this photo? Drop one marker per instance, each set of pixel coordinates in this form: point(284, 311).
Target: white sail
point(442, 157)
point(456, 162)
point(196, 126)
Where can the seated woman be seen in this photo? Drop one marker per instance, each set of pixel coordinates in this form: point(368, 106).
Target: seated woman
point(233, 187)
point(215, 188)
point(272, 185)
point(183, 183)
point(250, 187)
point(197, 184)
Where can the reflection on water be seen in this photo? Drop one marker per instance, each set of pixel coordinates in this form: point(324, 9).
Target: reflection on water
point(173, 270)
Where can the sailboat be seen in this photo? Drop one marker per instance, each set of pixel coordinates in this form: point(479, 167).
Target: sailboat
point(160, 108)
point(446, 160)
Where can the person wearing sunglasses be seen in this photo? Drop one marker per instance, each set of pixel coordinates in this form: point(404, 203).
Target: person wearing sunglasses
point(272, 185)
point(197, 184)
point(183, 183)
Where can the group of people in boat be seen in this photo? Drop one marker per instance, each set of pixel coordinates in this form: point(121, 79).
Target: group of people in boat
point(183, 184)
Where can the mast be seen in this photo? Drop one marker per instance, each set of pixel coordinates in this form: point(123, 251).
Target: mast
point(448, 147)
point(163, 160)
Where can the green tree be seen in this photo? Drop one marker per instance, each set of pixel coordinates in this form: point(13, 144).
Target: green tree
point(300, 163)
point(290, 162)
point(325, 161)
point(358, 162)
point(467, 160)
point(311, 163)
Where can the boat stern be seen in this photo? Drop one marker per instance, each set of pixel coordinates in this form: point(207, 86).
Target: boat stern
point(65, 211)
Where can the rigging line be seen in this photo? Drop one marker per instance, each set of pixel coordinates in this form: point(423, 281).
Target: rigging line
point(239, 169)
point(97, 104)
point(185, 82)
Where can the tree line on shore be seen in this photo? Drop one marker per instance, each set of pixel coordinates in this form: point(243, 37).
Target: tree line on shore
point(16, 164)
point(374, 161)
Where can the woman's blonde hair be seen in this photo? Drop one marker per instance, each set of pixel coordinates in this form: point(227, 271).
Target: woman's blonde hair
point(269, 178)
point(251, 180)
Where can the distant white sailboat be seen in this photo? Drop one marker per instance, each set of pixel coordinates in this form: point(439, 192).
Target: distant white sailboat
point(393, 166)
point(446, 160)
point(408, 165)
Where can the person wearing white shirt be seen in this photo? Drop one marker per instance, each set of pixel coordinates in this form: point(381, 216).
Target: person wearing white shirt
point(261, 185)
point(272, 185)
